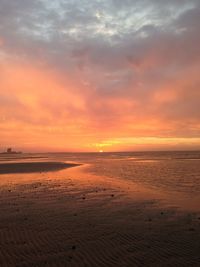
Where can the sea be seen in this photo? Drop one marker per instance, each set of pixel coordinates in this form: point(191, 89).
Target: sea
point(175, 173)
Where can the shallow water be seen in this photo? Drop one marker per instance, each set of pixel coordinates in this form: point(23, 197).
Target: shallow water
point(176, 175)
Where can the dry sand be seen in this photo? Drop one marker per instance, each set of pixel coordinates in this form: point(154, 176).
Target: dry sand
point(81, 220)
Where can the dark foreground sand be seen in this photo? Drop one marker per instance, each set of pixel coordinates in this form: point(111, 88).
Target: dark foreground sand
point(81, 220)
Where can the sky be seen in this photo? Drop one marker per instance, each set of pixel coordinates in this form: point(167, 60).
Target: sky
point(111, 75)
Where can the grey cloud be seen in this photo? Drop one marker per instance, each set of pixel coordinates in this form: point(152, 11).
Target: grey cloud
point(37, 26)
point(127, 48)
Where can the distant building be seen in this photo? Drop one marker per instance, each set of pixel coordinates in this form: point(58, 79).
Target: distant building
point(10, 151)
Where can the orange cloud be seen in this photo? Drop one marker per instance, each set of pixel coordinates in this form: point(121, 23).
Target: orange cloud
point(75, 87)
point(1, 41)
point(44, 110)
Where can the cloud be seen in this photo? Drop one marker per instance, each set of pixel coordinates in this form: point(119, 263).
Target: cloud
point(127, 67)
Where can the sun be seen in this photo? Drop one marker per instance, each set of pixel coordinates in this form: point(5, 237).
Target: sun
point(101, 151)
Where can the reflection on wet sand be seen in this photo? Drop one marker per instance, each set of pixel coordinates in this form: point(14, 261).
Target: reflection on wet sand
point(77, 217)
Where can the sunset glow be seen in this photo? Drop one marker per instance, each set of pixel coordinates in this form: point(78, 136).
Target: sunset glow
point(109, 76)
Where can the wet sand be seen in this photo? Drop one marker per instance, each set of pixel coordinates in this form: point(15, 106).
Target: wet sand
point(73, 218)
point(31, 167)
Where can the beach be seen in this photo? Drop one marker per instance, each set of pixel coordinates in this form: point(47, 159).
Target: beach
point(31, 167)
point(72, 217)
